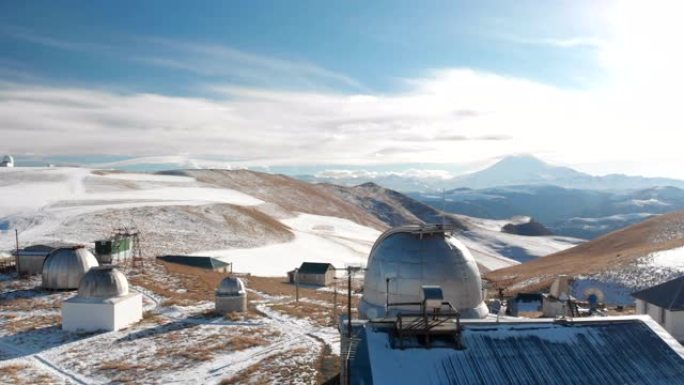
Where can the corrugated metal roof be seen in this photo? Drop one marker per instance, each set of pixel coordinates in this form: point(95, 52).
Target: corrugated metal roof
point(668, 295)
point(194, 261)
point(602, 352)
point(315, 268)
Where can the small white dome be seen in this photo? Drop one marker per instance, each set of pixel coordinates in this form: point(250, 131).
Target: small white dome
point(103, 282)
point(232, 286)
point(64, 267)
point(414, 256)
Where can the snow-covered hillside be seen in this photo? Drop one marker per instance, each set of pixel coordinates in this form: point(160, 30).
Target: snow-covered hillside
point(265, 224)
point(619, 263)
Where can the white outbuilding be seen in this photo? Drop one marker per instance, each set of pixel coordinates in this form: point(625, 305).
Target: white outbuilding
point(231, 296)
point(665, 304)
point(103, 302)
point(64, 267)
point(7, 161)
point(406, 260)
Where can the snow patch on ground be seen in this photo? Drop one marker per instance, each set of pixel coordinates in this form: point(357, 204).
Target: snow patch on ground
point(317, 239)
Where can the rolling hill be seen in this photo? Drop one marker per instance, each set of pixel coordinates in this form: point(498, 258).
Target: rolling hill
point(265, 223)
point(638, 256)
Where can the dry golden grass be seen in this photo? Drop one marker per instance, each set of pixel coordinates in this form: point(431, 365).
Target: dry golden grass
point(280, 286)
point(19, 325)
point(29, 304)
point(18, 374)
point(611, 251)
point(274, 369)
point(316, 314)
point(288, 193)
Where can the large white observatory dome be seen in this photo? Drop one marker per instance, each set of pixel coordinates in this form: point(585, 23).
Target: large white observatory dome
point(64, 267)
point(416, 256)
point(103, 282)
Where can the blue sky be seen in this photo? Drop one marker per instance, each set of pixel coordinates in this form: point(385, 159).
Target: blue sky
point(320, 84)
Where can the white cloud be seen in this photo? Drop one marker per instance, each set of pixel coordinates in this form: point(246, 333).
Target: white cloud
point(256, 127)
point(634, 115)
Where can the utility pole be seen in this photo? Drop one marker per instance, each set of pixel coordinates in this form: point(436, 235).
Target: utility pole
point(16, 239)
point(334, 317)
point(349, 302)
point(296, 279)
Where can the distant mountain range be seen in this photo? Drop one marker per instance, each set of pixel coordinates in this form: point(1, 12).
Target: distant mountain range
point(510, 171)
point(565, 201)
point(570, 212)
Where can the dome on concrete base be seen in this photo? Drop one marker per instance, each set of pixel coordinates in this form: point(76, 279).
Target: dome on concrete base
point(64, 267)
point(103, 282)
point(231, 286)
point(416, 256)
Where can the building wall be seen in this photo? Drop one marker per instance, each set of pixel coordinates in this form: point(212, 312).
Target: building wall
point(227, 304)
point(674, 324)
point(128, 311)
point(87, 316)
point(656, 312)
point(640, 306)
point(317, 279)
point(555, 308)
point(93, 315)
point(31, 263)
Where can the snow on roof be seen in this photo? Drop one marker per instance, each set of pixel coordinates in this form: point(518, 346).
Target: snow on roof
point(612, 350)
point(668, 295)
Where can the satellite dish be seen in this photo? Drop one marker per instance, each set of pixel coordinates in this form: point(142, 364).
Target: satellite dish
point(594, 296)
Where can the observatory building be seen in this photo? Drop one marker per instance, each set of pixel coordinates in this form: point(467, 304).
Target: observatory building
point(64, 267)
point(103, 302)
point(665, 304)
point(7, 161)
point(231, 296)
point(426, 323)
point(405, 259)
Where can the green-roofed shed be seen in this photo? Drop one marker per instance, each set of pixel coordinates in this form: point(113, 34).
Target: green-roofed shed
point(201, 262)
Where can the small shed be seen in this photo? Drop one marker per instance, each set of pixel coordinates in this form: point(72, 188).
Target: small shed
point(114, 249)
point(30, 259)
point(201, 262)
point(316, 273)
point(665, 304)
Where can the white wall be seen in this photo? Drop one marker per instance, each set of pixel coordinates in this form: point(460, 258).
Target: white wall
point(128, 311)
point(674, 324)
point(88, 314)
point(655, 312)
point(640, 306)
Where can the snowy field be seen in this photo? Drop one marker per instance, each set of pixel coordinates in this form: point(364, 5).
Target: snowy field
point(178, 214)
point(317, 239)
point(650, 270)
point(173, 345)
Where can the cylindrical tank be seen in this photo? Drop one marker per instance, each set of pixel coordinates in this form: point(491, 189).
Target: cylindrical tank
point(64, 267)
point(231, 296)
point(103, 282)
point(415, 256)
